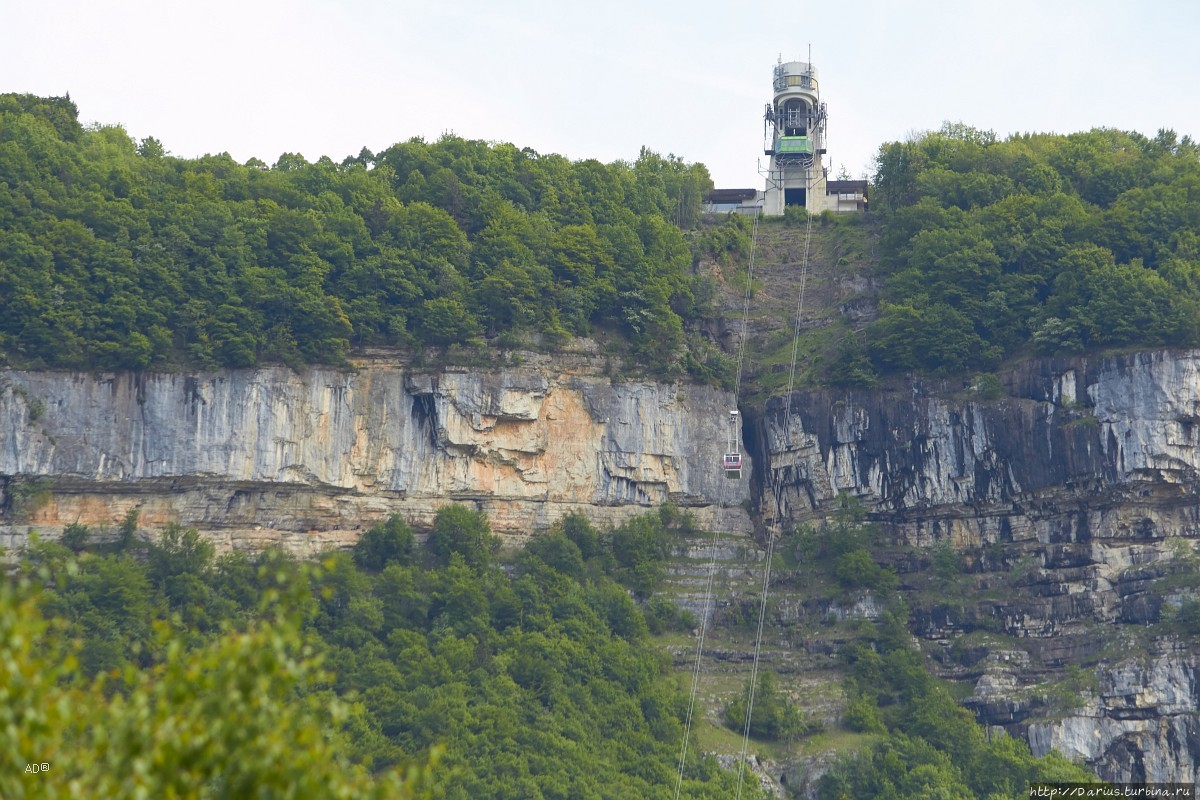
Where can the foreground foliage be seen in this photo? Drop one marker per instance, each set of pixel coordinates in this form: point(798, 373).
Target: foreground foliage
point(219, 719)
point(270, 677)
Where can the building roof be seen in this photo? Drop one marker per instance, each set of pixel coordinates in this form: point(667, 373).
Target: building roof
point(846, 187)
point(730, 195)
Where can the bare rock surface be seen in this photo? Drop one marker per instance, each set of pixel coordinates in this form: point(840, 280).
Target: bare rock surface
point(262, 456)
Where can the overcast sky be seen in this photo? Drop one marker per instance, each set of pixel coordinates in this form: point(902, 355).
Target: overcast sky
point(599, 80)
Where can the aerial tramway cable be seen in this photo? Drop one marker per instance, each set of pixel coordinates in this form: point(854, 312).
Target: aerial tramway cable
point(772, 537)
point(777, 486)
point(716, 534)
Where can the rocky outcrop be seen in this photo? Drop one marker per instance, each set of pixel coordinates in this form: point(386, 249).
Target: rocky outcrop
point(310, 458)
point(1071, 489)
point(1086, 476)
point(1074, 449)
point(1141, 727)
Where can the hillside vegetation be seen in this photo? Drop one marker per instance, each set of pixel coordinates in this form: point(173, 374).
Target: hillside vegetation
point(116, 255)
point(1042, 243)
point(845, 705)
point(148, 664)
point(151, 668)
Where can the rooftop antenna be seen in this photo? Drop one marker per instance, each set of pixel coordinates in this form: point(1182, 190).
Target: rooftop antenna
point(810, 55)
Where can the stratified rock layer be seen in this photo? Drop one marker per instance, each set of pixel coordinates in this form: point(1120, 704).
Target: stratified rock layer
point(1079, 448)
point(1142, 727)
point(311, 458)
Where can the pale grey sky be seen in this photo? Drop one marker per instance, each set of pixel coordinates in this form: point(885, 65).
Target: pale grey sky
point(599, 80)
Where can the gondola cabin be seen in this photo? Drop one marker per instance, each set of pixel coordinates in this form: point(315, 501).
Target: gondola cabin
point(732, 464)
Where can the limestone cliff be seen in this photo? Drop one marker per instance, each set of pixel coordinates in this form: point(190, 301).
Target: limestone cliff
point(1074, 448)
point(1141, 726)
point(310, 458)
point(1071, 490)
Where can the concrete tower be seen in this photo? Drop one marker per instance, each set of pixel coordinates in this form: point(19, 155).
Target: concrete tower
point(794, 134)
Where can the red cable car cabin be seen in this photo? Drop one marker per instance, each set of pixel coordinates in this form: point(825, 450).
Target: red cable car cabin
point(732, 463)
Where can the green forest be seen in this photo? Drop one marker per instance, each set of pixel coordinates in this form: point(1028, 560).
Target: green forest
point(116, 255)
point(1039, 243)
point(147, 667)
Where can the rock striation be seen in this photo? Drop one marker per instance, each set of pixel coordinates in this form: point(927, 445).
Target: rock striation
point(1073, 448)
point(310, 458)
point(1141, 726)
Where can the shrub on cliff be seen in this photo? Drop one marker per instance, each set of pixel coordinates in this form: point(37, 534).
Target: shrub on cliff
point(386, 543)
point(459, 530)
point(775, 715)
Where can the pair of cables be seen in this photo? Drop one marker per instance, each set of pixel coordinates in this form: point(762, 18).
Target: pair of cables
point(772, 536)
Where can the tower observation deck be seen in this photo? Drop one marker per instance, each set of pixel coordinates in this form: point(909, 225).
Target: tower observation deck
point(794, 138)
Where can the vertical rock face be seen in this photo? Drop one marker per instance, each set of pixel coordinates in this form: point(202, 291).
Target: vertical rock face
point(1077, 448)
point(1075, 495)
point(258, 456)
point(1142, 727)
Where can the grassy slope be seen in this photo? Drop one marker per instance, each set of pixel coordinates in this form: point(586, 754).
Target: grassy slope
point(839, 296)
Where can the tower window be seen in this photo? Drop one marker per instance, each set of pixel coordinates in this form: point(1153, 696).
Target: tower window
point(796, 116)
point(794, 197)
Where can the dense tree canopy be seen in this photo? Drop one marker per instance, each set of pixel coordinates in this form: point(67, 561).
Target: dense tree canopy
point(136, 665)
point(153, 666)
point(1055, 243)
point(117, 255)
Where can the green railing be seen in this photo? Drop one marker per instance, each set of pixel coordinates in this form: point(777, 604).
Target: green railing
point(793, 144)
